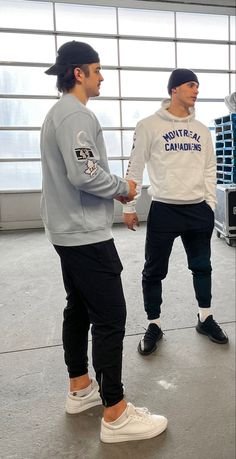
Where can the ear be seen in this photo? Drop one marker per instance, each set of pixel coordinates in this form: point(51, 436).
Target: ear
point(78, 74)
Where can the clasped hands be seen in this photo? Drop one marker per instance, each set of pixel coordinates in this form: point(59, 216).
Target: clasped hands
point(130, 219)
point(130, 196)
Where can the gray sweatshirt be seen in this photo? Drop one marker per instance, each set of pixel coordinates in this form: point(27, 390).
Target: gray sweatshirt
point(77, 205)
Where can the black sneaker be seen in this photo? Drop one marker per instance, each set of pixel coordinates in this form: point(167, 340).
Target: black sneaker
point(212, 329)
point(148, 343)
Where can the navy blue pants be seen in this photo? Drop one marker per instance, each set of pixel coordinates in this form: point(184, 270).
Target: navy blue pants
point(194, 223)
point(92, 281)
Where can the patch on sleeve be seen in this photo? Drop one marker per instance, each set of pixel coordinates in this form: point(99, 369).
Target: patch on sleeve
point(83, 153)
point(91, 167)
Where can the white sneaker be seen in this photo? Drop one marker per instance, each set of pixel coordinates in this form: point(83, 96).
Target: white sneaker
point(136, 424)
point(77, 404)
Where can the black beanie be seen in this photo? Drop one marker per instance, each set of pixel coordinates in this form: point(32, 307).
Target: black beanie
point(180, 76)
point(73, 53)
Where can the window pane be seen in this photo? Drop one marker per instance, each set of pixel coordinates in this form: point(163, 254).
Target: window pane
point(20, 176)
point(213, 85)
point(232, 27)
point(112, 142)
point(107, 112)
point(116, 167)
point(19, 144)
point(26, 15)
point(26, 47)
point(146, 22)
point(233, 82)
point(85, 18)
point(233, 57)
point(24, 112)
point(132, 112)
point(126, 162)
point(110, 85)
point(191, 55)
point(146, 181)
point(106, 48)
point(127, 138)
point(207, 112)
point(202, 26)
point(144, 84)
point(26, 80)
point(147, 53)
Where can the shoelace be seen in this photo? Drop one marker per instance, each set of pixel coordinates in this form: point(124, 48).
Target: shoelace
point(140, 411)
point(213, 324)
point(151, 334)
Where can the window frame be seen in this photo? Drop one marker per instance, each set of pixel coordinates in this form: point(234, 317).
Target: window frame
point(119, 98)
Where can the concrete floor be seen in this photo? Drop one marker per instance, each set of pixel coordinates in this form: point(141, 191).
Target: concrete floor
point(189, 379)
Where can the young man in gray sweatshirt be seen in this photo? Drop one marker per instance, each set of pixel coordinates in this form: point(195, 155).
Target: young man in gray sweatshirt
point(77, 210)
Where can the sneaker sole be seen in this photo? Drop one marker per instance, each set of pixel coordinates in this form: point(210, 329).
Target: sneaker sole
point(122, 438)
point(211, 337)
point(76, 410)
point(145, 352)
point(152, 350)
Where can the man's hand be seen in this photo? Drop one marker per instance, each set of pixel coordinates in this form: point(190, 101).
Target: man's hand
point(132, 190)
point(131, 220)
point(131, 195)
point(122, 199)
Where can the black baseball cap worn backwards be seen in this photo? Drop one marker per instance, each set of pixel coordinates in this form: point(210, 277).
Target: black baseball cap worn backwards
point(73, 53)
point(181, 76)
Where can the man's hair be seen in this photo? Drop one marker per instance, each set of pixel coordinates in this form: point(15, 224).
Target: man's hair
point(67, 80)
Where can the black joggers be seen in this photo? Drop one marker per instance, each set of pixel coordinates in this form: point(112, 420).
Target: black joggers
point(91, 275)
point(194, 223)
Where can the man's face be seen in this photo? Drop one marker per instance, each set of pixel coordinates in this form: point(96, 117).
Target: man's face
point(93, 81)
point(187, 93)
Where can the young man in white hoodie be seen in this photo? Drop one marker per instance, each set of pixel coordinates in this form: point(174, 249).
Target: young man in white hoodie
point(180, 160)
point(77, 209)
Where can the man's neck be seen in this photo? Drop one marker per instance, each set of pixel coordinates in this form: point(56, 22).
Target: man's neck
point(78, 92)
point(178, 110)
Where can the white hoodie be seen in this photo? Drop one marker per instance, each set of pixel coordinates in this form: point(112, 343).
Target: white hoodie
point(179, 156)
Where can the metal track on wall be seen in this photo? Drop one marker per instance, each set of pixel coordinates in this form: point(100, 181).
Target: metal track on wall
point(216, 3)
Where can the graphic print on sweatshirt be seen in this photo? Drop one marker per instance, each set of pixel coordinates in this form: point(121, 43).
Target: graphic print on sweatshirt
point(175, 140)
point(86, 154)
point(91, 167)
point(83, 153)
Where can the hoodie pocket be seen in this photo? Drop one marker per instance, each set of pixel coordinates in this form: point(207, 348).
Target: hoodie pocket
point(182, 184)
point(98, 213)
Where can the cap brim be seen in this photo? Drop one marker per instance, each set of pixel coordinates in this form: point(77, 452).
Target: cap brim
point(56, 69)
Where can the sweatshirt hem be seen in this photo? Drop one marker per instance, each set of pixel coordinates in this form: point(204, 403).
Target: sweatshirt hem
point(178, 202)
point(78, 238)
